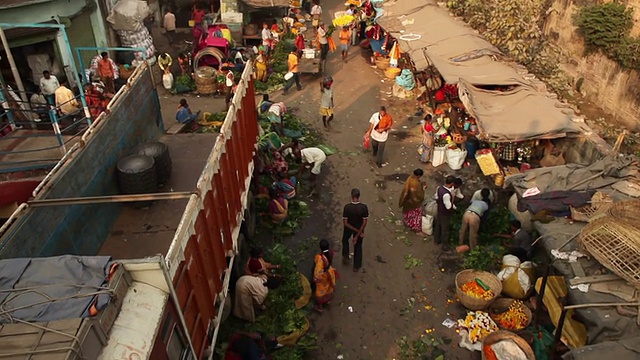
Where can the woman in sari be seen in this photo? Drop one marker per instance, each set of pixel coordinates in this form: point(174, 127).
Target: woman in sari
point(324, 276)
point(261, 67)
point(411, 201)
point(258, 266)
point(426, 148)
point(280, 165)
point(278, 207)
point(285, 186)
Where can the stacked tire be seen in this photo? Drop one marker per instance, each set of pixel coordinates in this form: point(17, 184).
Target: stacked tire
point(160, 154)
point(137, 174)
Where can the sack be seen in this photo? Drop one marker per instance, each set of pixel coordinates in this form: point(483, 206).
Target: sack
point(456, 158)
point(167, 81)
point(439, 156)
point(517, 278)
point(427, 224)
point(366, 141)
point(431, 208)
point(288, 76)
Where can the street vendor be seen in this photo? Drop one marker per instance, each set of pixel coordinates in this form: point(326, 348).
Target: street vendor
point(165, 62)
point(311, 158)
point(245, 346)
point(521, 242)
point(183, 60)
point(267, 38)
point(316, 13)
point(275, 114)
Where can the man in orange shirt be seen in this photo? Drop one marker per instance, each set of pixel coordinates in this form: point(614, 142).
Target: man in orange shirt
point(345, 36)
point(292, 62)
point(105, 71)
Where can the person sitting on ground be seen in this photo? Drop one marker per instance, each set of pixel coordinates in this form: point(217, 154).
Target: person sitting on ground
point(278, 207)
point(264, 104)
point(246, 346)
point(258, 266)
point(66, 101)
point(275, 114)
point(285, 186)
point(184, 114)
point(279, 165)
point(250, 293)
point(39, 104)
point(472, 218)
point(521, 242)
point(294, 147)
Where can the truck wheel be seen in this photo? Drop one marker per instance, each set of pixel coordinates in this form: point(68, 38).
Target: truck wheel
point(249, 223)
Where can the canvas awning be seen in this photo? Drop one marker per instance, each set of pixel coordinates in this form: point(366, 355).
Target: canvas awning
point(456, 50)
point(259, 4)
point(522, 113)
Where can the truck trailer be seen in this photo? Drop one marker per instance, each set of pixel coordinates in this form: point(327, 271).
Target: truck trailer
point(167, 264)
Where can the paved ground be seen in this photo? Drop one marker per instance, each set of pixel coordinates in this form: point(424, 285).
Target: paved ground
point(379, 297)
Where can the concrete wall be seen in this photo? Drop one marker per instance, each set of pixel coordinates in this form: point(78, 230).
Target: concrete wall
point(609, 87)
point(81, 229)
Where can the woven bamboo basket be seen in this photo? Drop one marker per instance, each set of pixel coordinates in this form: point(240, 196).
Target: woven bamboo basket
point(206, 80)
point(502, 335)
point(599, 205)
point(627, 211)
point(382, 63)
point(392, 72)
point(471, 302)
point(615, 244)
point(504, 303)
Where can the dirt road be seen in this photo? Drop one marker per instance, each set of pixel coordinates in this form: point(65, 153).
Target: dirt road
point(373, 310)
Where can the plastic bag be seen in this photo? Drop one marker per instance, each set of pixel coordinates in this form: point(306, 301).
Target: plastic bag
point(431, 208)
point(456, 158)
point(517, 278)
point(427, 224)
point(366, 141)
point(439, 156)
point(288, 75)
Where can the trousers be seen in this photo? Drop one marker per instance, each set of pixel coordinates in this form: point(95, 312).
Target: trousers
point(441, 228)
point(378, 150)
point(357, 248)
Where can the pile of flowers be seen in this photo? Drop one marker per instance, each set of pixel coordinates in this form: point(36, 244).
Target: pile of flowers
point(514, 318)
point(344, 20)
point(477, 289)
point(478, 324)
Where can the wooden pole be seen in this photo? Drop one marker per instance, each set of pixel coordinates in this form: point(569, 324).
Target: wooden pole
point(90, 200)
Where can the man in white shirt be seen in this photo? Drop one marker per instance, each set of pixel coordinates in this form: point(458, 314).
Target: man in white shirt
point(323, 41)
point(267, 38)
point(379, 125)
point(48, 85)
point(316, 12)
point(169, 25)
point(446, 208)
point(312, 157)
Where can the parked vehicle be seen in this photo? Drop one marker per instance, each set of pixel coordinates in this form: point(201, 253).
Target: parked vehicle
point(179, 253)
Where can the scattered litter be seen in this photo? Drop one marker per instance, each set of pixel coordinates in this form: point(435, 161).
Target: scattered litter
point(350, 308)
point(340, 357)
point(448, 323)
point(572, 256)
point(582, 287)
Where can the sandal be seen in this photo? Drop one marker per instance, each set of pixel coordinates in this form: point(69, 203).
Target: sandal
point(318, 309)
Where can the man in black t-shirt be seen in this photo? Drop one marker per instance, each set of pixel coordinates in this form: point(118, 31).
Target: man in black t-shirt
point(354, 217)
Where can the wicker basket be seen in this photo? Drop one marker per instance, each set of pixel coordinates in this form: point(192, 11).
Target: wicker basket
point(206, 80)
point(504, 303)
point(382, 63)
point(615, 244)
point(627, 211)
point(599, 205)
point(501, 335)
point(471, 302)
point(392, 72)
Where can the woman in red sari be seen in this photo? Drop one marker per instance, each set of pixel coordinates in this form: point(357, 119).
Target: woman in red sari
point(411, 201)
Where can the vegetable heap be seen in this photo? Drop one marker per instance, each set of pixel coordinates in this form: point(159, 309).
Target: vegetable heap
point(477, 289)
point(479, 324)
point(514, 318)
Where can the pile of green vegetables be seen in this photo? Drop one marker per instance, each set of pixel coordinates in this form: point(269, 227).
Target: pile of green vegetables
point(184, 84)
point(278, 67)
point(281, 316)
point(488, 254)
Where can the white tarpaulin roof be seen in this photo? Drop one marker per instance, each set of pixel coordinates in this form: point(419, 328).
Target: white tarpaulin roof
point(519, 114)
point(454, 48)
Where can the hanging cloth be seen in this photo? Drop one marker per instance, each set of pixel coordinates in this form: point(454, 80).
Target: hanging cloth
point(394, 55)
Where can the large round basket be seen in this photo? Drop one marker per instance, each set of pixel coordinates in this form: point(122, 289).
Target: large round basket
point(206, 80)
point(250, 29)
point(504, 303)
point(392, 72)
point(382, 63)
point(501, 335)
point(627, 211)
point(471, 302)
point(615, 244)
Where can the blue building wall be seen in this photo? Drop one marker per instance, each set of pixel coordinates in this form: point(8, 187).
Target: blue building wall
point(81, 229)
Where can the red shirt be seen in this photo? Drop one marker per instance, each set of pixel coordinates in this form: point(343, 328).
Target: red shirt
point(198, 15)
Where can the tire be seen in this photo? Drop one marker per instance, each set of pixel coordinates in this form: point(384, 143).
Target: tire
point(136, 174)
point(160, 154)
point(250, 221)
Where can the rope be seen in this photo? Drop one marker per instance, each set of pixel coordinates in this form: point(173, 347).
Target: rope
point(410, 37)
point(77, 351)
